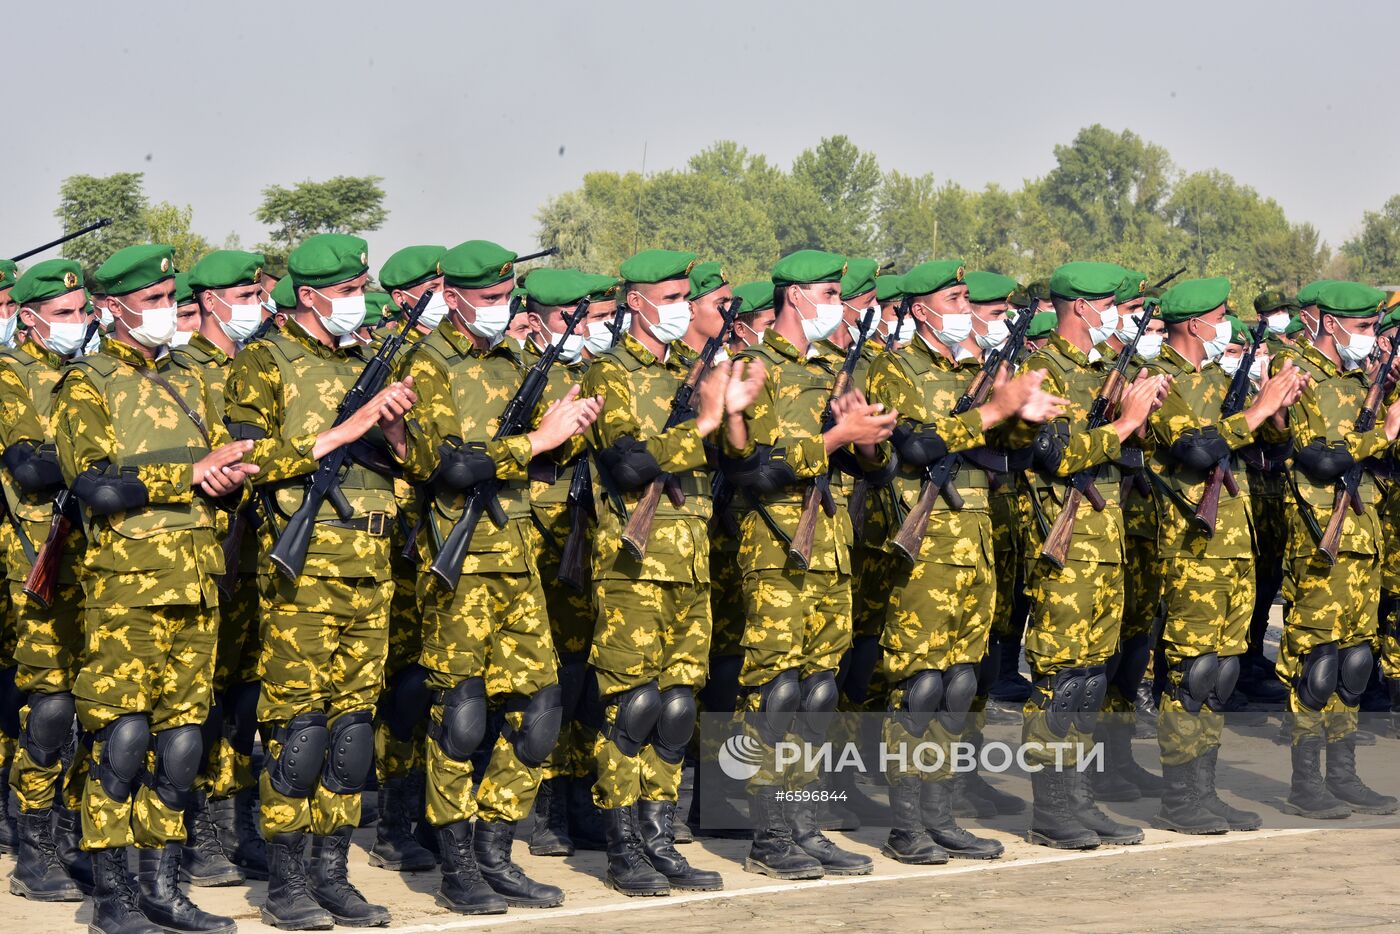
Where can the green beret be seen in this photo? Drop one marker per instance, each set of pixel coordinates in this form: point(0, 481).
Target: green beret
point(1086, 280)
point(224, 269)
point(1239, 331)
point(1133, 286)
point(378, 306)
point(1020, 297)
point(48, 279)
point(808, 266)
point(476, 264)
point(1349, 300)
point(1193, 298)
point(889, 288)
point(547, 286)
point(861, 276)
point(135, 267)
point(328, 259)
point(410, 266)
point(1307, 295)
point(704, 279)
point(1389, 320)
point(1042, 325)
point(284, 294)
point(184, 295)
point(1272, 300)
point(756, 296)
point(936, 274)
point(9, 274)
point(605, 288)
point(651, 266)
point(1040, 288)
point(989, 287)
point(1295, 325)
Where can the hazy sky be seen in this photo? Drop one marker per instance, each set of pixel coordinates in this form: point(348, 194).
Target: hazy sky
point(474, 114)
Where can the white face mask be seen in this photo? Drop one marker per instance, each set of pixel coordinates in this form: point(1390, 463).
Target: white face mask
point(1278, 321)
point(65, 337)
point(7, 329)
point(1215, 346)
point(1356, 349)
point(756, 333)
point(907, 329)
point(435, 311)
point(598, 339)
point(242, 321)
point(491, 320)
point(824, 322)
point(180, 338)
point(104, 315)
point(1231, 365)
point(1256, 369)
point(954, 331)
point(1108, 323)
point(997, 334)
point(94, 344)
point(721, 355)
point(347, 314)
point(1149, 346)
point(572, 350)
point(1127, 327)
point(672, 320)
point(157, 327)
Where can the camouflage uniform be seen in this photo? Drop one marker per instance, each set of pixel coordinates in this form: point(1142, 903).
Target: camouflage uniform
point(149, 577)
point(323, 637)
point(1388, 630)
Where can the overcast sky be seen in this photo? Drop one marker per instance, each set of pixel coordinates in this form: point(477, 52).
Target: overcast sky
point(474, 114)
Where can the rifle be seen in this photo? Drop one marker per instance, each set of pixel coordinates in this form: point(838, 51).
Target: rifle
point(1221, 474)
point(1163, 281)
point(818, 495)
point(938, 476)
point(89, 334)
point(95, 225)
point(289, 550)
point(542, 253)
point(1081, 485)
point(447, 565)
point(1348, 488)
point(43, 574)
point(905, 304)
point(573, 559)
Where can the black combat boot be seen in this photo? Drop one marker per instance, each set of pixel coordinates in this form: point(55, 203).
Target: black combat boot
point(936, 812)
point(711, 814)
point(164, 902)
point(1344, 783)
point(1011, 687)
point(116, 908)
point(908, 841)
point(1087, 812)
point(1053, 821)
point(774, 853)
point(394, 846)
point(203, 859)
point(1145, 707)
point(369, 801)
point(1122, 778)
point(629, 871)
point(832, 812)
point(328, 881)
point(39, 874)
point(463, 889)
point(1259, 681)
point(802, 817)
point(654, 820)
point(249, 848)
point(550, 836)
point(492, 841)
point(289, 905)
point(67, 840)
point(423, 832)
point(9, 829)
point(586, 828)
point(976, 788)
point(1308, 795)
point(1183, 808)
point(1236, 818)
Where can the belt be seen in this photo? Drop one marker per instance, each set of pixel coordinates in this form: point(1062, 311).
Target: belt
point(376, 524)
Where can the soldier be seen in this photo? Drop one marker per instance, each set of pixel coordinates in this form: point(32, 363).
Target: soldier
point(1325, 656)
point(1041, 330)
point(1206, 575)
point(1388, 626)
point(487, 643)
point(323, 636)
point(141, 446)
point(52, 304)
point(9, 305)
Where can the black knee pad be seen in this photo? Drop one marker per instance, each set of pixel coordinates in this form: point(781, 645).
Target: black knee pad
point(350, 753)
point(541, 716)
point(923, 697)
point(408, 701)
point(819, 697)
point(861, 663)
point(959, 689)
point(1317, 681)
point(1131, 664)
point(721, 688)
point(573, 675)
point(1354, 666)
point(1198, 679)
point(463, 720)
point(1061, 696)
point(634, 718)
point(298, 763)
point(1091, 702)
point(241, 716)
point(675, 724)
point(48, 727)
point(11, 702)
point(1226, 676)
point(778, 703)
point(123, 759)
point(179, 754)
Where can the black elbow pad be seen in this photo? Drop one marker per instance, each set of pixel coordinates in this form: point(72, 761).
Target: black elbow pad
point(1324, 462)
point(104, 492)
point(34, 470)
point(1199, 449)
point(462, 467)
point(629, 464)
point(765, 471)
point(243, 431)
point(918, 447)
point(886, 474)
point(1048, 448)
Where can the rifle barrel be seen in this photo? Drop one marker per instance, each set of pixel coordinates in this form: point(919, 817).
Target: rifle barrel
point(95, 225)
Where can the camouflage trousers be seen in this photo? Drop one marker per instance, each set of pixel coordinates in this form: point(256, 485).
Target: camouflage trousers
point(46, 654)
point(1010, 511)
point(324, 641)
point(156, 660)
point(1388, 634)
point(571, 619)
point(645, 631)
point(395, 756)
point(1142, 607)
point(493, 627)
point(1336, 603)
point(794, 620)
point(226, 770)
point(726, 602)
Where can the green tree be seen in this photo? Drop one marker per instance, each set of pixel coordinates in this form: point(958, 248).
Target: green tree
point(83, 199)
point(1374, 253)
point(846, 183)
point(344, 204)
point(172, 224)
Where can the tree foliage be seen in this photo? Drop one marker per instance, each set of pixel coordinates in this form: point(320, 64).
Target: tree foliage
point(344, 204)
point(83, 199)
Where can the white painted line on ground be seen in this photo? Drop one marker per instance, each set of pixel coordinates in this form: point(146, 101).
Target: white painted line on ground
point(958, 868)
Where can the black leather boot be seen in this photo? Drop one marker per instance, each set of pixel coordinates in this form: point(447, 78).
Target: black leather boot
point(629, 871)
point(289, 905)
point(1235, 818)
point(1053, 822)
point(1011, 687)
point(936, 812)
point(976, 788)
point(463, 889)
point(586, 828)
point(711, 814)
point(39, 874)
point(832, 812)
point(908, 841)
point(802, 817)
point(1145, 706)
point(1087, 812)
point(116, 908)
point(1182, 809)
point(369, 801)
point(249, 848)
point(492, 841)
point(550, 836)
point(1344, 783)
point(655, 822)
point(164, 902)
point(774, 852)
point(1308, 795)
point(328, 881)
point(67, 840)
point(203, 860)
point(394, 846)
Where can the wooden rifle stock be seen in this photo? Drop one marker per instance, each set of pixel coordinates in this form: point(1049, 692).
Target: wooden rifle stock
point(43, 576)
point(573, 558)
